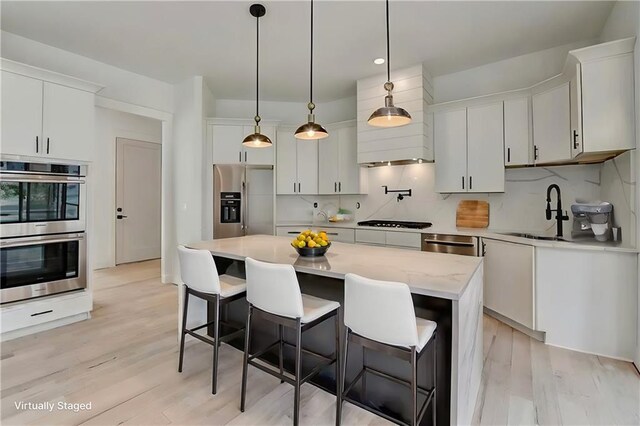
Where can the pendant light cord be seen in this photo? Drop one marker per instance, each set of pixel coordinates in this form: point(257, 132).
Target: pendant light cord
point(388, 60)
point(257, 66)
point(311, 66)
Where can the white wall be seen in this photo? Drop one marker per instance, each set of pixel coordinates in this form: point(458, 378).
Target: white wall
point(110, 125)
point(624, 21)
point(288, 112)
point(509, 74)
point(119, 84)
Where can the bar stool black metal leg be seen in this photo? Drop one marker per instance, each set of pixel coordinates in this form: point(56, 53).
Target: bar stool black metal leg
point(245, 361)
point(280, 361)
point(414, 388)
point(185, 304)
point(338, 370)
point(435, 376)
point(216, 346)
point(298, 369)
point(364, 376)
point(345, 358)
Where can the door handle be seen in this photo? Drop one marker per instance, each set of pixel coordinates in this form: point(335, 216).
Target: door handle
point(575, 140)
point(120, 216)
point(47, 145)
point(36, 144)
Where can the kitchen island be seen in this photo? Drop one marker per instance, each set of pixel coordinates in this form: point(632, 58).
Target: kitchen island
point(445, 288)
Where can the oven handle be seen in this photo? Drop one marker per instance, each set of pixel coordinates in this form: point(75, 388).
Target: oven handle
point(44, 239)
point(40, 179)
point(449, 243)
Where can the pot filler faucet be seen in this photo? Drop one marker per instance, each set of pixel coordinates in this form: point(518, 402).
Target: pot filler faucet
point(559, 216)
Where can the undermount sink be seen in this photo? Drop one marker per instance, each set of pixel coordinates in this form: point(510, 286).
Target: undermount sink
point(533, 237)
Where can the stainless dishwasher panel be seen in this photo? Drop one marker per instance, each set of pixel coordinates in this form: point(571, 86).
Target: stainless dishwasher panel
point(450, 244)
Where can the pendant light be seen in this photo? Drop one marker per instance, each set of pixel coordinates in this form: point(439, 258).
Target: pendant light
point(257, 139)
point(389, 115)
point(311, 129)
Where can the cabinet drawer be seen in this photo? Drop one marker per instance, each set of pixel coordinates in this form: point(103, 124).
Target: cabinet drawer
point(371, 237)
point(289, 231)
point(45, 310)
point(341, 235)
point(403, 239)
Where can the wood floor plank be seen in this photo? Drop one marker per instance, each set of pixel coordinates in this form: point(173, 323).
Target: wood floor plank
point(124, 360)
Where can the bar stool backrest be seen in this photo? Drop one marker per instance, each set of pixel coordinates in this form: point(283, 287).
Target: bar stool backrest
point(198, 270)
point(380, 310)
point(273, 288)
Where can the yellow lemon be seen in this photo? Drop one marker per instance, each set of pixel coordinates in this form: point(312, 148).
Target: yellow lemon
point(301, 244)
point(301, 237)
point(311, 244)
point(323, 243)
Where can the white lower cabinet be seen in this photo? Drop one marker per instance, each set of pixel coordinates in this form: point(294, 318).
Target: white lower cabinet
point(22, 315)
point(405, 240)
point(341, 235)
point(509, 281)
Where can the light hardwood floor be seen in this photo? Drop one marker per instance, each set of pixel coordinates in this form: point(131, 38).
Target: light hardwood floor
point(124, 362)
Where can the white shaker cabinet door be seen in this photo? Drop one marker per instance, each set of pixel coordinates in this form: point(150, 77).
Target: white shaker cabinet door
point(485, 147)
point(349, 169)
point(450, 139)
point(516, 132)
point(508, 280)
point(68, 122)
point(21, 115)
point(307, 162)
point(286, 163)
point(328, 158)
point(227, 143)
point(552, 125)
point(259, 156)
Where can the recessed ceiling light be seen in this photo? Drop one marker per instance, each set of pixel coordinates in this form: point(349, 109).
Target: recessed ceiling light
point(378, 61)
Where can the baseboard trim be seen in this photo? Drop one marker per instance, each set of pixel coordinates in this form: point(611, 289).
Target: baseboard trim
point(538, 335)
point(21, 332)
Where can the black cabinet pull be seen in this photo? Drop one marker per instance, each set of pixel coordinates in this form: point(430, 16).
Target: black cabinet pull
point(508, 155)
point(339, 186)
point(575, 140)
point(42, 313)
point(121, 216)
point(36, 144)
point(470, 182)
point(335, 187)
point(462, 182)
point(299, 187)
point(294, 187)
point(535, 152)
point(47, 145)
point(245, 156)
point(239, 156)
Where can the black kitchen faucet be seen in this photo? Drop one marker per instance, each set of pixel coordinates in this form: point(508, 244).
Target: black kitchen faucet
point(559, 216)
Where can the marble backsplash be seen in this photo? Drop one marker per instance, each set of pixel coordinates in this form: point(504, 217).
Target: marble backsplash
point(520, 208)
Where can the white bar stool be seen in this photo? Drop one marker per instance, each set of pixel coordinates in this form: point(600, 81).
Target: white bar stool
point(200, 276)
point(274, 294)
point(379, 315)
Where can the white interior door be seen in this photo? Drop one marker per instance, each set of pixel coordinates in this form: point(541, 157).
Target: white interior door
point(138, 197)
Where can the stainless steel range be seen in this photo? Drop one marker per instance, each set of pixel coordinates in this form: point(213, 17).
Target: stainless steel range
point(42, 229)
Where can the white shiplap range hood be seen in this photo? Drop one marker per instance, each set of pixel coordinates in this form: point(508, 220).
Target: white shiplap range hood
point(413, 91)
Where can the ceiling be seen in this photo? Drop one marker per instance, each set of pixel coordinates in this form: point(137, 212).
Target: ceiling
point(172, 41)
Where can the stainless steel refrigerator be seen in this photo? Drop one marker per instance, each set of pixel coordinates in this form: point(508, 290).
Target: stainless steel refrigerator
point(243, 198)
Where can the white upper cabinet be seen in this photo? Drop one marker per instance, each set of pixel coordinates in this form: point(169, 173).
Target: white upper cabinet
point(413, 91)
point(517, 140)
point(41, 118)
point(552, 125)
point(450, 143)
point(469, 149)
point(339, 171)
point(603, 103)
point(68, 122)
point(485, 148)
point(297, 164)
point(227, 148)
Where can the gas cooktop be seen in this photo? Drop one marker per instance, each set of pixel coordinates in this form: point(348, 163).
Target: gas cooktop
point(395, 224)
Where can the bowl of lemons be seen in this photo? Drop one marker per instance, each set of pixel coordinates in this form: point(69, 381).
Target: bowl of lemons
point(309, 243)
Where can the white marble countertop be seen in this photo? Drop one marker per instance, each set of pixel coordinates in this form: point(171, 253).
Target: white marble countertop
point(484, 233)
point(432, 274)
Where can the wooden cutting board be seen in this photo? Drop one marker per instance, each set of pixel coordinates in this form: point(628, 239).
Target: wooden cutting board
point(472, 214)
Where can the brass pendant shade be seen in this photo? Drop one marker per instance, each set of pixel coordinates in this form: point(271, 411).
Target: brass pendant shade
point(311, 130)
point(257, 139)
point(389, 115)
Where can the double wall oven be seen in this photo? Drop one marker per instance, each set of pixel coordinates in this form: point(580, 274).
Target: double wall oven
point(42, 229)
